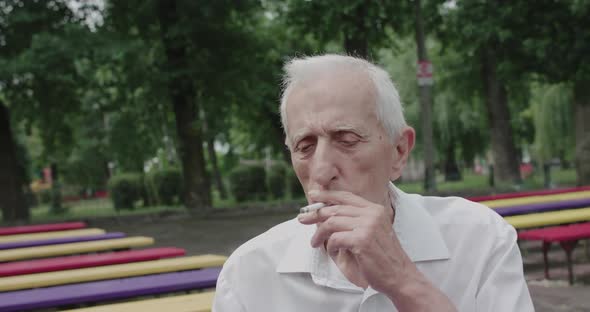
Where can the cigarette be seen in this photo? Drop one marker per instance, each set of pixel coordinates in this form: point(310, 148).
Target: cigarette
point(312, 207)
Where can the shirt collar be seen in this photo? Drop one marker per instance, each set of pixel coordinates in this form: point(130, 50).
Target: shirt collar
point(417, 231)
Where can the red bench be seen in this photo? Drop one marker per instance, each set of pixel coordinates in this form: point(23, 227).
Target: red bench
point(567, 236)
point(24, 229)
point(529, 193)
point(86, 261)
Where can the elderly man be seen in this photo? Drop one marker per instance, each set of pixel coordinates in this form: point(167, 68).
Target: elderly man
point(373, 247)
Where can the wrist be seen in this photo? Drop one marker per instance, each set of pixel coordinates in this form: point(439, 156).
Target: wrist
point(414, 292)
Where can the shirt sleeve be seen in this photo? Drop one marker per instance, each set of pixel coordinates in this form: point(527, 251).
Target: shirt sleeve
point(225, 298)
point(503, 286)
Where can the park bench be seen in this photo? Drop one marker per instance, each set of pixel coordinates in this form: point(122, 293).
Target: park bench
point(109, 272)
point(86, 261)
point(74, 248)
point(567, 236)
point(110, 290)
point(201, 302)
point(528, 193)
point(549, 218)
point(46, 235)
point(61, 240)
point(24, 229)
point(543, 207)
point(535, 199)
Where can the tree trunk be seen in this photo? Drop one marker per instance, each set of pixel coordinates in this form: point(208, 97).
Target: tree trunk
point(425, 91)
point(56, 200)
point(278, 133)
point(13, 202)
point(215, 167)
point(355, 40)
point(506, 166)
point(452, 172)
point(197, 194)
point(582, 109)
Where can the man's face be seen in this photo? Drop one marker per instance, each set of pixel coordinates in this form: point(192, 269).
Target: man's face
point(337, 142)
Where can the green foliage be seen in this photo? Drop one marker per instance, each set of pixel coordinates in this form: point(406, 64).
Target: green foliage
point(552, 114)
point(125, 190)
point(45, 196)
point(248, 182)
point(164, 187)
point(277, 180)
point(354, 23)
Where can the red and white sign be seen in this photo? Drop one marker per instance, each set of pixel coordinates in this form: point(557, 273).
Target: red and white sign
point(424, 73)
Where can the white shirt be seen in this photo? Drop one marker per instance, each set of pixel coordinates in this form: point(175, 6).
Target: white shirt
point(465, 249)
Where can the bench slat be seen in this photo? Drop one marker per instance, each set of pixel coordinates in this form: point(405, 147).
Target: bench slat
point(535, 199)
point(558, 233)
point(201, 302)
point(47, 235)
point(109, 290)
point(86, 261)
point(528, 193)
point(41, 228)
point(61, 240)
point(549, 218)
point(543, 207)
point(73, 248)
point(109, 272)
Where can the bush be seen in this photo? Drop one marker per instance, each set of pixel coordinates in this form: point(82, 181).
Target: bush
point(125, 189)
point(277, 180)
point(164, 186)
point(45, 196)
point(294, 185)
point(248, 182)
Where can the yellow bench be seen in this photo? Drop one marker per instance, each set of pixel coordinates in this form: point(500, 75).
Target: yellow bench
point(535, 199)
point(200, 302)
point(549, 218)
point(109, 272)
point(49, 235)
point(73, 248)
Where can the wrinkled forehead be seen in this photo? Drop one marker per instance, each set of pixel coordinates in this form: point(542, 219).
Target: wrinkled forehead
point(335, 100)
point(346, 87)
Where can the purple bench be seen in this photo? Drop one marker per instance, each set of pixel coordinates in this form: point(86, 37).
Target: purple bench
point(543, 207)
point(61, 240)
point(109, 290)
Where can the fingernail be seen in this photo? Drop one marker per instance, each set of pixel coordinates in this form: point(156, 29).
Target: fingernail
point(313, 192)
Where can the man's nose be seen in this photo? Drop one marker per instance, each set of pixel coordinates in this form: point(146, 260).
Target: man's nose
point(323, 168)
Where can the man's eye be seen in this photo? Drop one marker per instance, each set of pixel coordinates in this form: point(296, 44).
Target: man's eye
point(304, 148)
point(348, 143)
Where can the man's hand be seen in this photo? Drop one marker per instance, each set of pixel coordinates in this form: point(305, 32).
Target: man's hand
point(358, 235)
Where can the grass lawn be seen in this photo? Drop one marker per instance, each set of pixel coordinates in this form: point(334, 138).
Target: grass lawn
point(471, 183)
point(102, 207)
point(478, 183)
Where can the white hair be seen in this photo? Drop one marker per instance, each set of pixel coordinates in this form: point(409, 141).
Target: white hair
point(388, 107)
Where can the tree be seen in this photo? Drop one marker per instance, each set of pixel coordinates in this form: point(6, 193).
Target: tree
point(201, 44)
point(551, 110)
point(483, 31)
point(38, 78)
point(361, 26)
point(13, 203)
point(556, 47)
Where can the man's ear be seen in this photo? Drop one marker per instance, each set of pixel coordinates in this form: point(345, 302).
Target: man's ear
point(402, 150)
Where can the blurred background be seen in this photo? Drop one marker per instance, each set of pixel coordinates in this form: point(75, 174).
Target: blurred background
point(131, 107)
